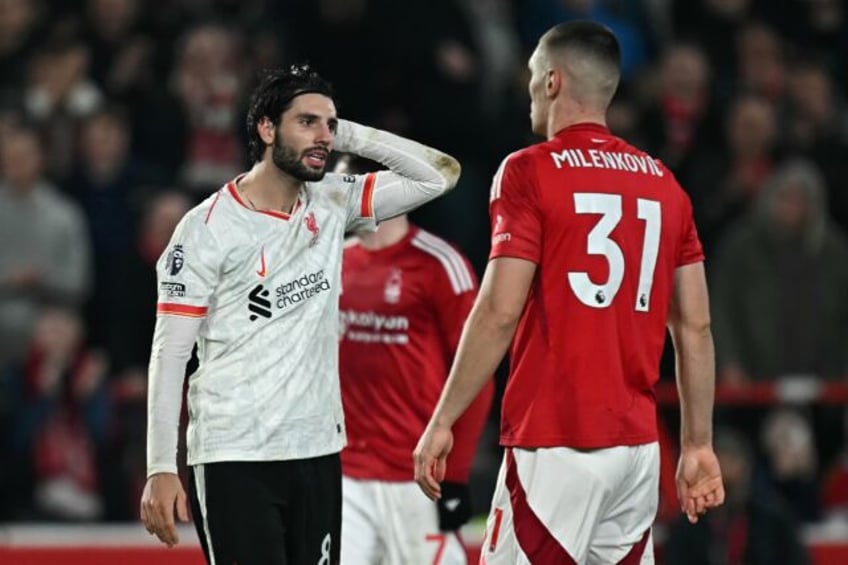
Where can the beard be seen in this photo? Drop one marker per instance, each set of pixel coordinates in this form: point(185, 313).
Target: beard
point(287, 160)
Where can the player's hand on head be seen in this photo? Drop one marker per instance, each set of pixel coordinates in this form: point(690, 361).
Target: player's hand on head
point(430, 458)
point(163, 494)
point(699, 482)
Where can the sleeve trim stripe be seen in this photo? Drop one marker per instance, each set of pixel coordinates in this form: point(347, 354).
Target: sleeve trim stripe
point(453, 255)
point(496, 182)
point(451, 260)
point(181, 309)
point(212, 207)
point(367, 208)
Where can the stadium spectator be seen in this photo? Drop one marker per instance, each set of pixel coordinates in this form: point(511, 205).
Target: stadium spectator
point(749, 529)
point(779, 280)
point(45, 255)
point(61, 421)
point(761, 63)
point(725, 179)
point(208, 83)
point(60, 94)
point(817, 128)
point(791, 468)
point(110, 185)
point(19, 22)
point(684, 112)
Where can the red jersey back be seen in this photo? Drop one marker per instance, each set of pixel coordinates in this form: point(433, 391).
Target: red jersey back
point(402, 311)
point(607, 226)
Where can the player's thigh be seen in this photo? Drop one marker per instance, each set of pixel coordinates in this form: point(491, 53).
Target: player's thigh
point(361, 543)
point(314, 516)
point(411, 528)
point(624, 531)
point(554, 498)
point(235, 515)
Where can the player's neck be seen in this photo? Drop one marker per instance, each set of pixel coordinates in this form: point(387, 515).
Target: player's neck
point(389, 233)
point(265, 187)
point(568, 113)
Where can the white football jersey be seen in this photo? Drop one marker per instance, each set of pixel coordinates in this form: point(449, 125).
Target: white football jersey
point(268, 286)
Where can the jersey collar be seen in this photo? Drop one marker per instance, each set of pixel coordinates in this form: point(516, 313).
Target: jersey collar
point(233, 190)
point(589, 127)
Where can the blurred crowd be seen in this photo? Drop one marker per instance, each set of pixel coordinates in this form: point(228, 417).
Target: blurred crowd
point(116, 116)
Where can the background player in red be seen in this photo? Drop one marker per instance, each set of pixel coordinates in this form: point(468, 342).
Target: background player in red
point(405, 296)
point(594, 252)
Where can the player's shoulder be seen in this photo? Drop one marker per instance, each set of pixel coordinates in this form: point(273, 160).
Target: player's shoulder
point(212, 219)
point(522, 157)
point(445, 258)
point(334, 189)
point(333, 183)
point(514, 169)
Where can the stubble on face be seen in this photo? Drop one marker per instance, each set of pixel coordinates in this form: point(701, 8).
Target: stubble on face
point(287, 159)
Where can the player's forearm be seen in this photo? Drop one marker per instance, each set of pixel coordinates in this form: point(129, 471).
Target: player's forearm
point(423, 173)
point(173, 340)
point(695, 383)
point(484, 343)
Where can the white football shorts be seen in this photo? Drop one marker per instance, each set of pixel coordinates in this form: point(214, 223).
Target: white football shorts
point(393, 523)
point(559, 506)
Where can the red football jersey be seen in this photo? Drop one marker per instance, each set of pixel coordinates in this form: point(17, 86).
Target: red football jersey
point(607, 225)
point(402, 311)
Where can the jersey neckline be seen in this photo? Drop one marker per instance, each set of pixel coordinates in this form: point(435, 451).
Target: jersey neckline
point(592, 127)
point(231, 186)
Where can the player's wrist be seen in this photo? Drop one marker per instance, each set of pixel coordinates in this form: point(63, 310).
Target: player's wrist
point(443, 421)
point(164, 469)
point(696, 443)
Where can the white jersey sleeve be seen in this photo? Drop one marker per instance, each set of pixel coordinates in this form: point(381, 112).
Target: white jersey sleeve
point(187, 275)
point(417, 173)
point(188, 271)
point(173, 340)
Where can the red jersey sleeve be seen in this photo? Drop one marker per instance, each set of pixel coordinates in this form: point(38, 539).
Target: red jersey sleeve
point(452, 306)
point(516, 225)
point(691, 250)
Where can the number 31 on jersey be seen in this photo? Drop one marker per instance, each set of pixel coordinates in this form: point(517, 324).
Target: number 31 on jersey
point(599, 243)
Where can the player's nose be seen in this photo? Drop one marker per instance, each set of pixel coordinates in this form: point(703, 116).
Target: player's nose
point(325, 135)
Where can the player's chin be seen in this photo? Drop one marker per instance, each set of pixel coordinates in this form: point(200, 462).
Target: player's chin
point(313, 173)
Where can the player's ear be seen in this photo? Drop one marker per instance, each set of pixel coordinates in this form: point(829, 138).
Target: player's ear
point(266, 130)
point(553, 83)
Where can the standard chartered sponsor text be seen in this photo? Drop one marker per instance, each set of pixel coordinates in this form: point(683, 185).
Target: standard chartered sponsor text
point(300, 289)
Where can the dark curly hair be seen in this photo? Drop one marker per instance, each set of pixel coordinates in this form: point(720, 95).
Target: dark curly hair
point(273, 96)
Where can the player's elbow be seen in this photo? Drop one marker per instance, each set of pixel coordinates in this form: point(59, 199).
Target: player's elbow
point(697, 323)
point(499, 317)
point(449, 171)
point(692, 332)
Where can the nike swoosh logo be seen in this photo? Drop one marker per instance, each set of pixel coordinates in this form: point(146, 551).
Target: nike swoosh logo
point(452, 504)
point(262, 270)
